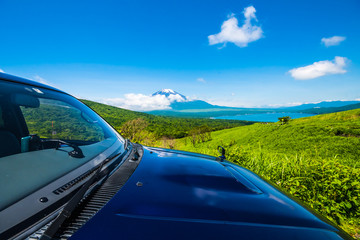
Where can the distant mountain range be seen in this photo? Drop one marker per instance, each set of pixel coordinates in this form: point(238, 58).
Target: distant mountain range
point(181, 106)
point(322, 110)
point(325, 104)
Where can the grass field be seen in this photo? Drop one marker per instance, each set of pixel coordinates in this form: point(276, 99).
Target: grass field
point(315, 159)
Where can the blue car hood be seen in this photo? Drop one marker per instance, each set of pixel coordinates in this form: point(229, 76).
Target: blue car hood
point(177, 195)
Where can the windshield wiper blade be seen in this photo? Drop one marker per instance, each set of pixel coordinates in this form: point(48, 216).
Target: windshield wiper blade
point(70, 206)
point(75, 153)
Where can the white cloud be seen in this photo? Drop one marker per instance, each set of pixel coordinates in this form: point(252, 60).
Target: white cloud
point(141, 102)
point(319, 69)
point(240, 36)
point(332, 41)
point(2, 71)
point(201, 80)
point(176, 98)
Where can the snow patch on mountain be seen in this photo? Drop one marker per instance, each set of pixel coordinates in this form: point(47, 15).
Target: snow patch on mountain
point(171, 95)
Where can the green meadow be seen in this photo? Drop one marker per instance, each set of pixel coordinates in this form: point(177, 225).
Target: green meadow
point(314, 159)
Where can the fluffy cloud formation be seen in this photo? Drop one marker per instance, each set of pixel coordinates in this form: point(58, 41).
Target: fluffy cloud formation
point(2, 71)
point(141, 102)
point(332, 41)
point(174, 98)
point(201, 80)
point(240, 36)
point(318, 69)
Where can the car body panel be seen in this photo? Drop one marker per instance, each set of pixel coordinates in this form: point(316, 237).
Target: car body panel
point(176, 195)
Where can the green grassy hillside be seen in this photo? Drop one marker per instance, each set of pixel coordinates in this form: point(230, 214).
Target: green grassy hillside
point(315, 159)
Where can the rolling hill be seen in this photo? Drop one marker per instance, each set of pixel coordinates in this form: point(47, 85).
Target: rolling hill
point(335, 134)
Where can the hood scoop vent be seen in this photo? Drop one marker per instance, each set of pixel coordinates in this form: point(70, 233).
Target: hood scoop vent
point(244, 181)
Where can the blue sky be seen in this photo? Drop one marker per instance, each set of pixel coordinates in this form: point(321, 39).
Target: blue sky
point(123, 51)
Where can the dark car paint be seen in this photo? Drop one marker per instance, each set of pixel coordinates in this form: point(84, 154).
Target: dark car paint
point(178, 195)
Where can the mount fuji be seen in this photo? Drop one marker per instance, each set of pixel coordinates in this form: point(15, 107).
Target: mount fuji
point(179, 102)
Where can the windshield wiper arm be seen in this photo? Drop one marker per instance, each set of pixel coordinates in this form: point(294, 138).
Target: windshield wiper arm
point(75, 153)
point(70, 206)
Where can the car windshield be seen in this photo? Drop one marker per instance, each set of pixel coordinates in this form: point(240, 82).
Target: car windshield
point(38, 129)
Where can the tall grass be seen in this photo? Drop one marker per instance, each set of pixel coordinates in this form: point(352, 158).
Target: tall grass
point(324, 184)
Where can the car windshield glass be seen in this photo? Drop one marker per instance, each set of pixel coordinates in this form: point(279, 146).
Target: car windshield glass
point(39, 128)
point(60, 120)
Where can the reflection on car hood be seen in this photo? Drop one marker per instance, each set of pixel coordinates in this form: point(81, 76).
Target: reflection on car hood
point(177, 195)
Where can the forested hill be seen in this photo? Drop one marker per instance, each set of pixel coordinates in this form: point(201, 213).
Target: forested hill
point(171, 127)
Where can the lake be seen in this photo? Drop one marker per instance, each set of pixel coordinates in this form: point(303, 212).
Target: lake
point(265, 117)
